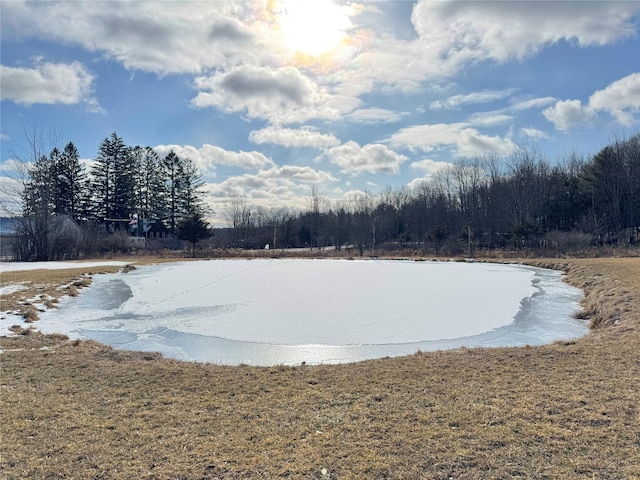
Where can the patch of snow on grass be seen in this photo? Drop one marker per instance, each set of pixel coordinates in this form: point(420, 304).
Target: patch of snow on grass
point(7, 289)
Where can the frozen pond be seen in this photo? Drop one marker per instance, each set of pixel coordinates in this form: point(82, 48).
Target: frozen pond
point(269, 312)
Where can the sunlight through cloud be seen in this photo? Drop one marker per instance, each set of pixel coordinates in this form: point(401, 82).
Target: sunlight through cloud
point(313, 28)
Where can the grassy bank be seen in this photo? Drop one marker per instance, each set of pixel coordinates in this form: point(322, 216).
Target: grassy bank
point(568, 410)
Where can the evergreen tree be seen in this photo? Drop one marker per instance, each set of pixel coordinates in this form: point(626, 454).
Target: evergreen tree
point(149, 182)
point(171, 165)
point(183, 189)
point(71, 183)
point(190, 184)
point(193, 228)
point(113, 182)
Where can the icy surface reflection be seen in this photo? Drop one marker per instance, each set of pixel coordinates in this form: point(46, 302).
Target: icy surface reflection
point(269, 312)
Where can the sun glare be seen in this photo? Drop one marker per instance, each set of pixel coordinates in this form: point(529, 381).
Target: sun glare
point(313, 27)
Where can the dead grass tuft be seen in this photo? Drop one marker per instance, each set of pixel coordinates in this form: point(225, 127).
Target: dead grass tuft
point(17, 329)
point(51, 302)
point(82, 282)
point(30, 314)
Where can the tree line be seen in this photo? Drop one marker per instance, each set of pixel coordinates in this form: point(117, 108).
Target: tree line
point(69, 210)
point(487, 202)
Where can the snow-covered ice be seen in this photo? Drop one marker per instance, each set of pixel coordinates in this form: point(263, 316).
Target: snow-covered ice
point(267, 312)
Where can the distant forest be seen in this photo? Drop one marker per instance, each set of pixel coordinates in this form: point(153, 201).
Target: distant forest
point(488, 202)
point(482, 203)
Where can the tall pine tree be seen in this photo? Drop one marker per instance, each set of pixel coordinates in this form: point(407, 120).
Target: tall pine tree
point(183, 189)
point(71, 183)
point(113, 182)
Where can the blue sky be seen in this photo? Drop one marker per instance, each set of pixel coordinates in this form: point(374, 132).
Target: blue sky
point(272, 98)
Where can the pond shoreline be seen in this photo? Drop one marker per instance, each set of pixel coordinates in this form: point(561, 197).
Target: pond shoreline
point(80, 409)
point(259, 312)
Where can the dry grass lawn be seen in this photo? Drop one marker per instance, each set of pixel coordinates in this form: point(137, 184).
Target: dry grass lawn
point(73, 409)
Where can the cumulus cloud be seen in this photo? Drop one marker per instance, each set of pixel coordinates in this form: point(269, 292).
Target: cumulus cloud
point(160, 37)
point(472, 143)
point(429, 167)
point(452, 35)
point(507, 30)
point(276, 187)
point(208, 157)
point(229, 30)
point(464, 140)
point(298, 173)
point(372, 158)
point(621, 99)
point(48, 83)
point(282, 95)
point(198, 37)
point(293, 137)
point(567, 114)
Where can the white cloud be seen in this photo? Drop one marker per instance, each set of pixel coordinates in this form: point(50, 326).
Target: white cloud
point(297, 173)
point(199, 37)
point(48, 83)
point(276, 187)
point(532, 103)
point(281, 95)
point(208, 156)
point(621, 99)
point(374, 115)
point(464, 31)
point(465, 141)
point(487, 119)
point(567, 114)
point(472, 143)
point(429, 167)
point(427, 137)
point(506, 114)
point(160, 37)
point(372, 158)
point(486, 96)
point(534, 133)
point(293, 137)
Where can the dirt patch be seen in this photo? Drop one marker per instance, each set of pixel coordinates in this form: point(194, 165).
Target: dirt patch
point(567, 410)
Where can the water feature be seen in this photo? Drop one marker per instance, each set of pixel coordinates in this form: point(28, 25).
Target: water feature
point(268, 312)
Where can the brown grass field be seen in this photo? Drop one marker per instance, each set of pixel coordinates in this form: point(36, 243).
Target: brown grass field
point(78, 409)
